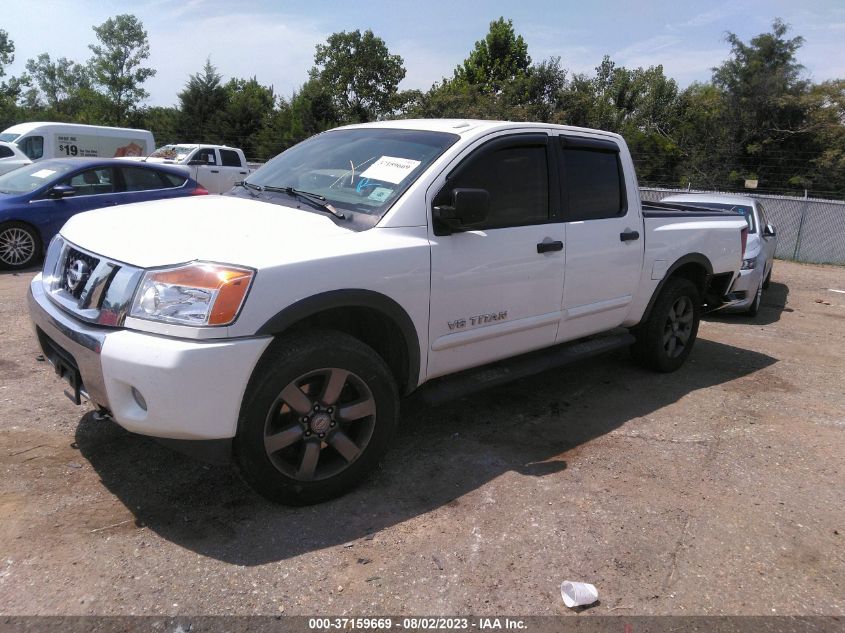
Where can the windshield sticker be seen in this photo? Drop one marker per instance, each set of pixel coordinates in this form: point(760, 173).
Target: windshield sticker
point(43, 173)
point(391, 169)
point(380, 194)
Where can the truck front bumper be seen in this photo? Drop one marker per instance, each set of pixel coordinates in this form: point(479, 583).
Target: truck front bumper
point(180, 389)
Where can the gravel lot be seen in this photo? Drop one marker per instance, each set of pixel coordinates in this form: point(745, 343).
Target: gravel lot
point(715, 490)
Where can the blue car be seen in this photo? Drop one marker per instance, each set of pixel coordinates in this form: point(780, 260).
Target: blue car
point(36, 200)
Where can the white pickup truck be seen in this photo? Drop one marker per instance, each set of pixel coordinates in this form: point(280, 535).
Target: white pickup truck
point(281, 324)
point(215, 167)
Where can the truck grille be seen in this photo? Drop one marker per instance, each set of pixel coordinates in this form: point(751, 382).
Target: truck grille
point(91, 287)
point(76, 271)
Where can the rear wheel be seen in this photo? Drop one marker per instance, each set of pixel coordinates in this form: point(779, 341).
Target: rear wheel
point(665, 340)
point(20, 246)
point(317, 419)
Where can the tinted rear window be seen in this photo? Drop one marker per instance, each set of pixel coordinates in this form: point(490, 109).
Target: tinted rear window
point(592, 184)
point(230, 158)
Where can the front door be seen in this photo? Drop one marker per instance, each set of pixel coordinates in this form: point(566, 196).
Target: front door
point(496, 289)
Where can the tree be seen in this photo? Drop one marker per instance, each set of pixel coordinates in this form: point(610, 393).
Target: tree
point(116, 64)
point(200, 103)
point(61, 86)
point(9, 90)
point(248, 109)
point(500, 58)
point(359, 73)
point(763, 87)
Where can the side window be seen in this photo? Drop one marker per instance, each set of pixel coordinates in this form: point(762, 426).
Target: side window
point(172, 180)
point(92, 182)
point(517, 179)
point(138, 179)
point(206, 156)
point(229, 158)
point(593, 184)
point(5, 152)
point(32, 146)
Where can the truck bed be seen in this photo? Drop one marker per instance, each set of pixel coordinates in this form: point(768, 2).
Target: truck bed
point(679, 210)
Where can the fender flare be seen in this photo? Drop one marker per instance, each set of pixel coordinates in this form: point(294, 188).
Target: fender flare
point(691, 258)
point(352, 298)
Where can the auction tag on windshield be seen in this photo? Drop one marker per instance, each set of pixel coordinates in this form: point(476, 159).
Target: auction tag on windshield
point(390, 169)
point(43, 173)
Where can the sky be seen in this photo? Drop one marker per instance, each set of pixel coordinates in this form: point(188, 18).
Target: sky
point(274, 40)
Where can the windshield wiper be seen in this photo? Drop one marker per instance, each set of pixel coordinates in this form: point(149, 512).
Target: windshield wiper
point(314, 198)
point(248, 185)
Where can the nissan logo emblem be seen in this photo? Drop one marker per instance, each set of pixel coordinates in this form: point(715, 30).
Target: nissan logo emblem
point(77, 274)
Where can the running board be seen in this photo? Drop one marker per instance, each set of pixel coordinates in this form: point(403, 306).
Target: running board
point(452, 387)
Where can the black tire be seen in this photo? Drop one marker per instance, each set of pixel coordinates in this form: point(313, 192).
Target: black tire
point(662, 346)
point(754, 308)
point(20, 246)
point(299, 458)
point(768, 279)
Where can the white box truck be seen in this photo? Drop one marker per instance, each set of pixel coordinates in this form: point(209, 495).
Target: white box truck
point(41, 140)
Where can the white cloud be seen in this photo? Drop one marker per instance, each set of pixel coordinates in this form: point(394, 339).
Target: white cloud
point(705, 18)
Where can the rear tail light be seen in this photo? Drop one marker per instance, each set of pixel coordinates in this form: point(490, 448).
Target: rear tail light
point(744, 238)
point(202, 191)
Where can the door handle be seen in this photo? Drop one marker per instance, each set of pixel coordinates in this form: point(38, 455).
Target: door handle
point(215, 171)
point(547, 247)
point(627, 236)
point(242, 172)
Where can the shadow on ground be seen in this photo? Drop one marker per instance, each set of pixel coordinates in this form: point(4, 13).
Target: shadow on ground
point(531, 426)
point(22, 271)
point(772, 305)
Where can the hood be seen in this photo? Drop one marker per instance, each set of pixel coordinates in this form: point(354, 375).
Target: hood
point(223, 229)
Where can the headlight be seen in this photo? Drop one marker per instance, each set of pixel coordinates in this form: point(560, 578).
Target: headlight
point(748, 264)
point(195, 294)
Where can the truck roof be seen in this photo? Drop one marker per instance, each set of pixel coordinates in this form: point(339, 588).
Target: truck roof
point(471, 127)
point(23, 128)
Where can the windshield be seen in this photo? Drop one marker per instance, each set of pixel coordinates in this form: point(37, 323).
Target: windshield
point(173, 152)
point(8, 137)
point(362, 170)
point(32, 177)
point(743, 209)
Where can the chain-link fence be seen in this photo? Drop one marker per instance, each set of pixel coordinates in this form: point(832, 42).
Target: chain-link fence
point(809, 229)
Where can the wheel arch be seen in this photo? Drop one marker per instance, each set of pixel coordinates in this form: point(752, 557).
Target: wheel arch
point(371, 317)
point(694, 266)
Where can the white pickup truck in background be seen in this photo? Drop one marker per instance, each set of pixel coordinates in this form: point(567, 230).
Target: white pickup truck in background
point(280, 324)
point(215, 167)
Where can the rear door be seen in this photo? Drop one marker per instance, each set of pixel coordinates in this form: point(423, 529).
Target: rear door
point(496, 290)
point(604, 241)
point(232, 169)
point(143, 183)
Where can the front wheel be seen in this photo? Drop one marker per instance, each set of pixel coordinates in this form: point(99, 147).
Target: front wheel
point(665, 340)
point(20, 246)
point(317, 418)
point(754, 308)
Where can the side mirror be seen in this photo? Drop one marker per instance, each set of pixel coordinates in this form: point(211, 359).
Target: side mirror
point(469, 207)
point(769, 231)
point(197, 161)
point(62, 191)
